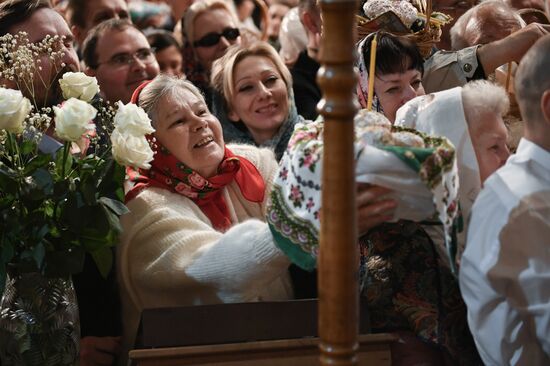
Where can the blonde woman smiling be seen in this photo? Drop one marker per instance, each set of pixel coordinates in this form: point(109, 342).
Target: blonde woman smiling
point(256, 87)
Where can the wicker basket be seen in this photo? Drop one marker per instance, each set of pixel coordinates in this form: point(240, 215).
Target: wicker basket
point(425, 39)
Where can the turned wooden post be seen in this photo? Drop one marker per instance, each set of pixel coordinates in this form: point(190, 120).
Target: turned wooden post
point(338, 258)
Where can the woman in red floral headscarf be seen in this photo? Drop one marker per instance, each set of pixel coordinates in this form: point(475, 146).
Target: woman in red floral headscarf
point(195, 233)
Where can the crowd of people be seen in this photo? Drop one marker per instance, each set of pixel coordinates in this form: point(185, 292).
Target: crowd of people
point(226, 82)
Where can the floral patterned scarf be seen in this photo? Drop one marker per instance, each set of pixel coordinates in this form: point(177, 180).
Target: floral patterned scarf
point(167, 172)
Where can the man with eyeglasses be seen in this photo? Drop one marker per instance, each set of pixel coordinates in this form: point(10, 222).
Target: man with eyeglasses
point(119, 56)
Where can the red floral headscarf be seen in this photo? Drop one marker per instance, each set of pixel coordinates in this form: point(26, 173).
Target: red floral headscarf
point(169, 173)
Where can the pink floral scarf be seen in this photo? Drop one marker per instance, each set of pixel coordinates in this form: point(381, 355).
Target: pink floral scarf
point(169, 173)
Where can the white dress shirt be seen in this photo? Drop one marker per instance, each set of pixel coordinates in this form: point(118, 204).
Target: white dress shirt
point(505, 269)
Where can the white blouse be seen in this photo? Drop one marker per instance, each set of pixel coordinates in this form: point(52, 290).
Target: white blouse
point(505, 269)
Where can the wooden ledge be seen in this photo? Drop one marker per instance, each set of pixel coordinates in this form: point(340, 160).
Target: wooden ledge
point(374, 349)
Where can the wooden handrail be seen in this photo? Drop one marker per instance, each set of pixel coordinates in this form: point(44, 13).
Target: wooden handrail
point(338, 258)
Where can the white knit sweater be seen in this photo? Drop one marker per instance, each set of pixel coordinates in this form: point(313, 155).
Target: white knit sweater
point(170, 255)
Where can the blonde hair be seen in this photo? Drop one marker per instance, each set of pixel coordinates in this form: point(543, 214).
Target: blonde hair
point(200, 7)
point(160, 87)
point(223, 69)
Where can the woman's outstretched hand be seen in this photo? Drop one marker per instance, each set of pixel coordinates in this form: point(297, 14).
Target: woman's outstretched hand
point(373, 206)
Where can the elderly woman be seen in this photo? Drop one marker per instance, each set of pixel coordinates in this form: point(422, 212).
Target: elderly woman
point(257, 90)
point(209, 27)
point(409, 286)
point(195, 232)
point(472, 118)
point(398, 73)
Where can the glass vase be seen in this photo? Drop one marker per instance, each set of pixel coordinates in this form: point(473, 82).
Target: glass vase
point(39, 322)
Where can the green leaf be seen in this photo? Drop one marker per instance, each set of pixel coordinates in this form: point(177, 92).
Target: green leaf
point(8, 179)
point(111, 180)
point(75, 214)
point(92, 244)
point(60, 189)
point(87, 187)
point(117, 207)
point(114, 221)
point(38, 254)
point(36, 162)
point(42, 231)
point(38, 186)
point(59, 161)
point(104, 172)
point(27, 146)
point(49, 209)
point(103, 230)
point(103, 259)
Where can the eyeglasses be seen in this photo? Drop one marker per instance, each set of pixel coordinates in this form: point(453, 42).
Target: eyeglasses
point(213, 38)
point(145, 55)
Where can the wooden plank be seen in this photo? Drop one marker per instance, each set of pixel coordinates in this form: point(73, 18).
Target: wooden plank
point(374, 350)
point(233, 323)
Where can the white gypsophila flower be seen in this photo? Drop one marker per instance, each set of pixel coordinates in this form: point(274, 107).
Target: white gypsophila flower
point(73, 119)
point(14, 108)
point(130, 150)
point(131, 119)
point(78, 85)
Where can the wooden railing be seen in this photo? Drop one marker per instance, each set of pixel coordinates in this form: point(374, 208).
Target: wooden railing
point(338, 259)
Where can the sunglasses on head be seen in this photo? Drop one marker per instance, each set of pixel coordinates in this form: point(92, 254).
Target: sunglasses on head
point(213, 38)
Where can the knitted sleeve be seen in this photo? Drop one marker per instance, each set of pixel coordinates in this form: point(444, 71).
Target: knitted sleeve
point(169, 247)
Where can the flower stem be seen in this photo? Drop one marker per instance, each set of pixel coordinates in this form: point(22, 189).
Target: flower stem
point(66, 150)
point(14, 147)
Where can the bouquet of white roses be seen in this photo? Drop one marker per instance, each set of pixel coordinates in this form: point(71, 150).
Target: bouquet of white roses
point(61, 188)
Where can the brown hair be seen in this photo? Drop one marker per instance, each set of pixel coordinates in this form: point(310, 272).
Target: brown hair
point(13, 12)
point(89, 46)
point(76, 12)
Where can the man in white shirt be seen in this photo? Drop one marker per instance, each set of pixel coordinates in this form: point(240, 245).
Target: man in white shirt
point(505, 269)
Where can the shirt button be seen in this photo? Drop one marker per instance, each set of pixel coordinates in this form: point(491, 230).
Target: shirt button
point(467, 67)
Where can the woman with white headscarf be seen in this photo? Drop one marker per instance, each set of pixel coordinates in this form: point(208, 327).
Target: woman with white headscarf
point(471, 117)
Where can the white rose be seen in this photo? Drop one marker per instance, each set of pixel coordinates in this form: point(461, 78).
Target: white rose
point(73, 119)
point(78, 85)
point(14, 108)
point(131, 119)
point(130, 150)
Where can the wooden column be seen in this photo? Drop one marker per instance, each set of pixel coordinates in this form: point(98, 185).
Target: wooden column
point(338, 259)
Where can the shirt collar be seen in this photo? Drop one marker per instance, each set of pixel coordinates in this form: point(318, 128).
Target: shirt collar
point(528, 150)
